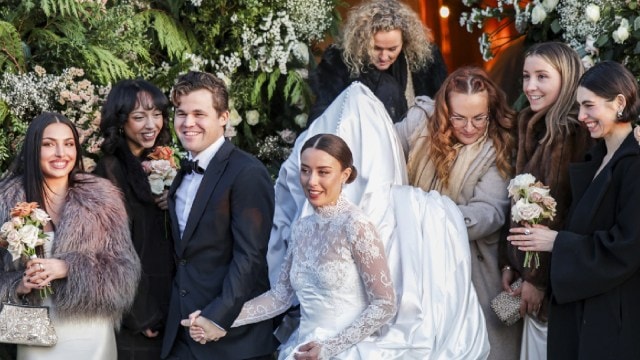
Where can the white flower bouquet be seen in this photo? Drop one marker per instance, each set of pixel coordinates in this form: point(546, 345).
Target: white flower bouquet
point(161, 167)
point(531, 205)
point(24, 232)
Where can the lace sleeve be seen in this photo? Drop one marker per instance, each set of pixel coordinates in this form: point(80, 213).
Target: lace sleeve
point(368, 253)
point(271, 303)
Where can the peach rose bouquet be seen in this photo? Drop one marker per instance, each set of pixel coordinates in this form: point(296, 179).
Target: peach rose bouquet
point(161, 167)
point(531, 205)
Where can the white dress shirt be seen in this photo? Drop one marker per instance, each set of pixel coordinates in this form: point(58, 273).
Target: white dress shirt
point(186, 192)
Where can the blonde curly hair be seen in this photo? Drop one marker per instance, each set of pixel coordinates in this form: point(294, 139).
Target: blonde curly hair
point(370, 17)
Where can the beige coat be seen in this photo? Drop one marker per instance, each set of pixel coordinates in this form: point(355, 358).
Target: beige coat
point(484, 202)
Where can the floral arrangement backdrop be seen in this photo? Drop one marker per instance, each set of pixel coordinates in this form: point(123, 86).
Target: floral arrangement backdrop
point(597, 29)
point(63, 55)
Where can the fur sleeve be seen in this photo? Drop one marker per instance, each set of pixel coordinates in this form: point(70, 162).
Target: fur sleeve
point(93, 237)
point(12, 193)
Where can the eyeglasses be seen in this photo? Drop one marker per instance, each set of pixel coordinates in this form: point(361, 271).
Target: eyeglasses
point(461, 121)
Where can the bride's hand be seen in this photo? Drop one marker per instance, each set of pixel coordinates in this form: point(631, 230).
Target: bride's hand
point(308, 351)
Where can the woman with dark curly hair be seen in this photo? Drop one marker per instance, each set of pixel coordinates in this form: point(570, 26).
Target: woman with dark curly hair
point(135, 119)
point(385, 46)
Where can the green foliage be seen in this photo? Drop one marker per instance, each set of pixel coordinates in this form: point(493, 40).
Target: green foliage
point(259, 47)
point(11, 52)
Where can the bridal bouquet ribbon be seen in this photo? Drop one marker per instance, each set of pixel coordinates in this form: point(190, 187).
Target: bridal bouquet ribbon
point(531, 205)
point(161, 168)
point(24, 232)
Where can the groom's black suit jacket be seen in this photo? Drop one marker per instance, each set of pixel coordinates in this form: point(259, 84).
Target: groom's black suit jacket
point(221, 257)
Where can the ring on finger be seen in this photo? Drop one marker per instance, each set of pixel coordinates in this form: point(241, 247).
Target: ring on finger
point(41, 266)
point(527, 232)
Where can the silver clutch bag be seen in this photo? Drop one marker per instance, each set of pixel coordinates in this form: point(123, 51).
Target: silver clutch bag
point(26, 325)
point(507, 307)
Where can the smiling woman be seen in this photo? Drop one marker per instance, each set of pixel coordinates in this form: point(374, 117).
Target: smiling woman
point(385, 46)
point(134, 121)
point(549, 138)
point(88, 227)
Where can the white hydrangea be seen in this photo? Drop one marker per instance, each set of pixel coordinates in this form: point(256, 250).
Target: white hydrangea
point(310, 18)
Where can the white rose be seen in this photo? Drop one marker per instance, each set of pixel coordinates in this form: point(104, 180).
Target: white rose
point(301, 52)
point(6, 228)
point(587, 62)
point(88, 164)
point(41, 216)
point(301, 120)
point(253, 117)
point(593, 13)
point(524, 211)
point(519, 183)
point(549, 5)
point(17, 221)
point(157, 184)
point(168, 178)
point(16, 249)
point(622, 33)
point(590, 46)
point(29, 236)
point(538, 14)
point(234, 118)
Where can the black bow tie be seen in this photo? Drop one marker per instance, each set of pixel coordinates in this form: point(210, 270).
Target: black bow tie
point(190, 166)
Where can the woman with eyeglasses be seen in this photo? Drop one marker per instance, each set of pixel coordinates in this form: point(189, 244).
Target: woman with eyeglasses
point(463, 150)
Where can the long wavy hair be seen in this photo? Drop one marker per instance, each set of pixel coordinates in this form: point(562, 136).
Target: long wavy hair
point(567, 62)
point(27, 163)
point(441, 139)
point(366, 20)
point(123, 98)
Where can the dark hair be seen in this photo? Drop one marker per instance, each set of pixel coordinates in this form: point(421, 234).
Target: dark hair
point(27, 163)
point(121, 101)
point(194, 80)
point(337, 148)
point(608, 79)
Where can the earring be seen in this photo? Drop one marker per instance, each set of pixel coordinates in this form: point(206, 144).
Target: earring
point(619, 113)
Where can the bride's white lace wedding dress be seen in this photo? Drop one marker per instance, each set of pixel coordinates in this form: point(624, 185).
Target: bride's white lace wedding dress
point(336, 265)
point(423, 234)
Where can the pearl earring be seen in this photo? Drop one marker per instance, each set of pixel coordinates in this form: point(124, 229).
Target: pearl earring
point(619, 113)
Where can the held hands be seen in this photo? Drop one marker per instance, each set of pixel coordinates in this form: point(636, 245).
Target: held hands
point(40, 273)
point(536, 238)
point(201, 329)
point(508, 277)
point(308, 351)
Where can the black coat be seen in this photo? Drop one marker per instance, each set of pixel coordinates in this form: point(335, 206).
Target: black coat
point(222, 257)
point(595, 263)
point(331, 77)
point(149, 232)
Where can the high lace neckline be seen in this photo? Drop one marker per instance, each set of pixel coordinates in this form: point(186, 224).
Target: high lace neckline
point(331, 210)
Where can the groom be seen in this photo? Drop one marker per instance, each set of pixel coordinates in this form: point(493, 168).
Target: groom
point(221, 207)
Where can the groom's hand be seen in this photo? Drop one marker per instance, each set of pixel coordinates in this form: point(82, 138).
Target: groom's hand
point(308, 351)
point(201, 329)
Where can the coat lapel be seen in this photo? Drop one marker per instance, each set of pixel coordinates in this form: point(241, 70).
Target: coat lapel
point(211, 178)
point(591, 192)
point(171, 198)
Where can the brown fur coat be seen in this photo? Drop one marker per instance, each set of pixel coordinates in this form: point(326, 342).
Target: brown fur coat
point(549, 163)
point(93, 237)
